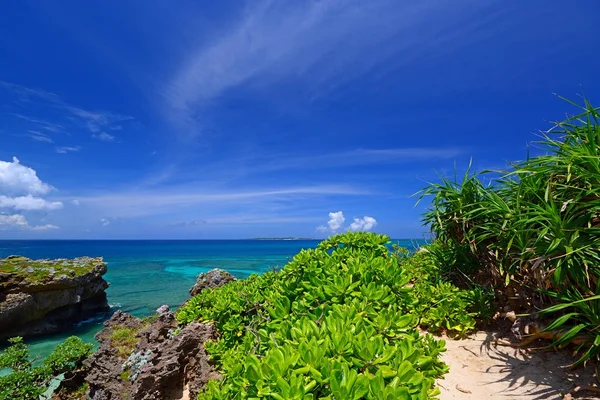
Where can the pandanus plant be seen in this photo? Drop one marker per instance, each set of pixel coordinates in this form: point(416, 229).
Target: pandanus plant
point(534, 230)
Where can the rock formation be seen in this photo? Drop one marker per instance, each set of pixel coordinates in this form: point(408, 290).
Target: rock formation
point(157, 363)
point(152, 358)
point(210, 280)
point(46, 296)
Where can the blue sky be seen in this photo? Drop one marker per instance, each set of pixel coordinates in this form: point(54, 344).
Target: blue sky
point(236, 119)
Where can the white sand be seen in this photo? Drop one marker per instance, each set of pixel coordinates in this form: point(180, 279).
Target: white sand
point(481, 370)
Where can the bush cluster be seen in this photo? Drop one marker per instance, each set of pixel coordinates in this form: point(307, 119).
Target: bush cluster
point(27, 381)
point(337, 322)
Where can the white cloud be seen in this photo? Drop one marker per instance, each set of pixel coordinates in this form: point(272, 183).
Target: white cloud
point(19, 221)
point(43, 227)
point(363, 224)
point(104, 221)
point(13, 220)
point(28, 203)
point(67, 149)
point(336, 220)
point(17, 179)
point(190, 223)
point(75, 202)
point(20, 189)
point(103, 136)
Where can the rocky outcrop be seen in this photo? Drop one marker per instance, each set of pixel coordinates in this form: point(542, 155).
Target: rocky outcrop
point(46, 296)
point(210, 280)
point(153, 358)
point(161, 363)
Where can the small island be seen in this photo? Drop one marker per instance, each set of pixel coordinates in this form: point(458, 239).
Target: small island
point(46, 296)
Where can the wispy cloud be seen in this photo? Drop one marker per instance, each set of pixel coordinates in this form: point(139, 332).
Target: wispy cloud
point(103, 136)
point(94, 121)
point(322, 44)
point(67, 149)
point(187, 224)
point(42, 124)
point(164, 201)
point(39, 137)
point(356, 157)
point(20, 222)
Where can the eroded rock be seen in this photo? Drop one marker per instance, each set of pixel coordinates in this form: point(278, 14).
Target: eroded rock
point(161, 365)
point(46, 296)
point(210, 280)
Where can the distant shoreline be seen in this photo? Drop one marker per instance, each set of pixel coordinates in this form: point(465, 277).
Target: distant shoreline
point(283, 238)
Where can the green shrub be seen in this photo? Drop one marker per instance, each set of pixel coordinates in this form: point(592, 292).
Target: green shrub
point(28, 382)
point(339, 321)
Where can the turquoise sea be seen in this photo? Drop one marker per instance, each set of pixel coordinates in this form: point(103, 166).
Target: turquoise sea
point(144, 275)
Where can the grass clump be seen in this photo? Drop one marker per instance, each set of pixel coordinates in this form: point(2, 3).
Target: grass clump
point(533, 233)
point(339, 321)
point(124, 340)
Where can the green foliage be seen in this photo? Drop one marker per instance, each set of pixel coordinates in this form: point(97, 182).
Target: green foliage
point(440, 305)
point(29, 382)
point(337, 322)
point(68, 355)
point(535, 229)
point(16, 356)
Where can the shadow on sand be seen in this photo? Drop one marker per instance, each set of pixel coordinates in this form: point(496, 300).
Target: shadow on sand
point(480, 368)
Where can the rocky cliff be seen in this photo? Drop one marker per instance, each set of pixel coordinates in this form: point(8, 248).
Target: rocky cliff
point(152, 358)
point(46, 296)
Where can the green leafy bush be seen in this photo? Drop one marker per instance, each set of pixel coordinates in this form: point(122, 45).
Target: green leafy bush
point(339, 321)
point(26, 381)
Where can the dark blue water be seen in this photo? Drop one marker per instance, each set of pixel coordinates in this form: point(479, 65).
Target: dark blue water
point(144, 275)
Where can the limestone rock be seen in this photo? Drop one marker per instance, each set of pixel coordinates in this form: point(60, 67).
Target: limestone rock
point(210, 280)
point(162, 364)
point(46, 296)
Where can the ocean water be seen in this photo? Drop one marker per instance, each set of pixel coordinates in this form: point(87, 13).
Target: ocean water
point(144, 275)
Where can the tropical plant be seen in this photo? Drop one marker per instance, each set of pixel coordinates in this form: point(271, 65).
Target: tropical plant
point(534, 232)
point(27, 381)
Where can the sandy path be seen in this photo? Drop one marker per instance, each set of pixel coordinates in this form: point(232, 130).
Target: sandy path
point(480, 370)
